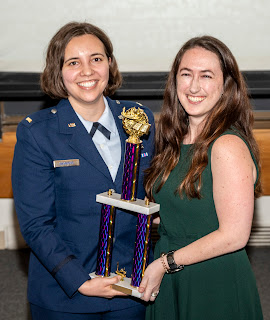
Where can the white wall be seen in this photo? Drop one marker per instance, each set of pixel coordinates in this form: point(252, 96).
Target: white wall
point(10, 236)
point(146, 33)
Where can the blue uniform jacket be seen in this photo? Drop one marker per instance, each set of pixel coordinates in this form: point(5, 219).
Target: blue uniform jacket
point(57, 209)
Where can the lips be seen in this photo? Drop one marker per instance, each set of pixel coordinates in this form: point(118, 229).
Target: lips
point(195, 99)
point(87, 84)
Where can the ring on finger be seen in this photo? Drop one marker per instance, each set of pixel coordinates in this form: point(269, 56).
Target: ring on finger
point(154, 294)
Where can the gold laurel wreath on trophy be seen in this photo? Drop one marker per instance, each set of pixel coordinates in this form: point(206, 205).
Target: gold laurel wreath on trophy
point(135, 122)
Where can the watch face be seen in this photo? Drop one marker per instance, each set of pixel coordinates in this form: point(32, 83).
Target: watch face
point(171, 261)
point(169, 258)
point(172, 265)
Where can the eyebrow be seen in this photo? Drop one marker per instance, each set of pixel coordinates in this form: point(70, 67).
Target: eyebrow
point(203, 71)
point(92, 55)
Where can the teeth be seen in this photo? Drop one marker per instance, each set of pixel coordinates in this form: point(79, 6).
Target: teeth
point(195, 99)
point(87, 84)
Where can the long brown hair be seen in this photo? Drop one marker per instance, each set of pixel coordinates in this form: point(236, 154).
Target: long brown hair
point(51, 78)
point(233, 110)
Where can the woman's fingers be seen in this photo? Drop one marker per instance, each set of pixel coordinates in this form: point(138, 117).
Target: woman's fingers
point(112, 291)
point(150, 294)
point(101, 287)
point(143, 284)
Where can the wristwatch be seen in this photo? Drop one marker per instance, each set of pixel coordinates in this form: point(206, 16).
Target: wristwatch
point(173, 267)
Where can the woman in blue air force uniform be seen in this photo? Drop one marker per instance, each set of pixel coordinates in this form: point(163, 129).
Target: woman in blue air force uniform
point(58, 169)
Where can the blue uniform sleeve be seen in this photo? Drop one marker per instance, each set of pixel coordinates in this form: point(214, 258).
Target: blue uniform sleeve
point(34, 196)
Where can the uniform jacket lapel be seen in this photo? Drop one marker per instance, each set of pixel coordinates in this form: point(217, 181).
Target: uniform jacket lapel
point(80, 140)
point(116, 108)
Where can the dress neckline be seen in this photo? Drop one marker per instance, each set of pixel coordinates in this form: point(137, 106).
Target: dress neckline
point(186, 145)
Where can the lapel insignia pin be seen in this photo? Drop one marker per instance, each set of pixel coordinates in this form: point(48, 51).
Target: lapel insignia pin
point(117, 101)
point(28, 119)
point(72, 125)
point(53, 111)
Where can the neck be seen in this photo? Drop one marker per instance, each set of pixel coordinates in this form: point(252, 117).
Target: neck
point(194, 129)
point(90, 112)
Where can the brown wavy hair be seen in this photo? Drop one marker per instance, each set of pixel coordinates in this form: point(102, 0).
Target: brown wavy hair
point(51, 79)
point(232, 111)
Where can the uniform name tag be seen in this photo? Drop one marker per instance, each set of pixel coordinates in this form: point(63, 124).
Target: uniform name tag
point(66, 163)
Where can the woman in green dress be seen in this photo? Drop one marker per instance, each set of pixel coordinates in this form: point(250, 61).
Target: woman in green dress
point(205, 175)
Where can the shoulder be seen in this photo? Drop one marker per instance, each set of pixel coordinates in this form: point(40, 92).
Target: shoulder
point(40, 116)
point(130, 104)
point(230, 152)
point(127, 103)
point(229, 144)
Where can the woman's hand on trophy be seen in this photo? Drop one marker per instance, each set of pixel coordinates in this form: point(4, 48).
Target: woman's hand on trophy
point(151, 281)
point(101, 287)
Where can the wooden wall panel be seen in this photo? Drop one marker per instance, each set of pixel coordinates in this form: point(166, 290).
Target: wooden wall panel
point(262, 137)
point(9, 139)
point(6, 155)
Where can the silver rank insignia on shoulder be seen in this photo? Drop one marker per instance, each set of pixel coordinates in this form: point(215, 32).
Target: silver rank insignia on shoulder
point(66, 163)
point(72, 125)
point(139, 104)
point(117, 101)
point(29, 119)
point(53, 111)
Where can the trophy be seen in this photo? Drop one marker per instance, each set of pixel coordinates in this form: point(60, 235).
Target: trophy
point(135, 123)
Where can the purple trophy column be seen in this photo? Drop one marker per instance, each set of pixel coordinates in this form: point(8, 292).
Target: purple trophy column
point(105, 240)
point(144, 222)
point(141, 250)
point(131, 171)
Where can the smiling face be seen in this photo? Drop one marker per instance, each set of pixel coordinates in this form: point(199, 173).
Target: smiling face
point(199, 82)
point(85, 72)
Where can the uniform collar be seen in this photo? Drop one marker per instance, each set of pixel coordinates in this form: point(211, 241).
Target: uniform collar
point(106, 119)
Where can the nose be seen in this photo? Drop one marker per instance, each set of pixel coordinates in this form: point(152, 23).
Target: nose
point(195, 85)
point(87, 70)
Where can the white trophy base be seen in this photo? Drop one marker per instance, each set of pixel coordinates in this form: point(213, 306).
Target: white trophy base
point(138, 205)
point(122, 286)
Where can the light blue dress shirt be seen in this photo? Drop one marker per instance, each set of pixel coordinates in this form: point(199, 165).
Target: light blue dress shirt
point(110, 150)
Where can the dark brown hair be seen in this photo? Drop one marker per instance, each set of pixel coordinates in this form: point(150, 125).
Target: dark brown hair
point(51, 79)
point(232, 111)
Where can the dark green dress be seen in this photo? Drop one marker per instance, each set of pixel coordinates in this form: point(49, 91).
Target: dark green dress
point(220, 288)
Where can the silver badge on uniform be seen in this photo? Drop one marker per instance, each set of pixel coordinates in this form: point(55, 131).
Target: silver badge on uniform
point(66, 163)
